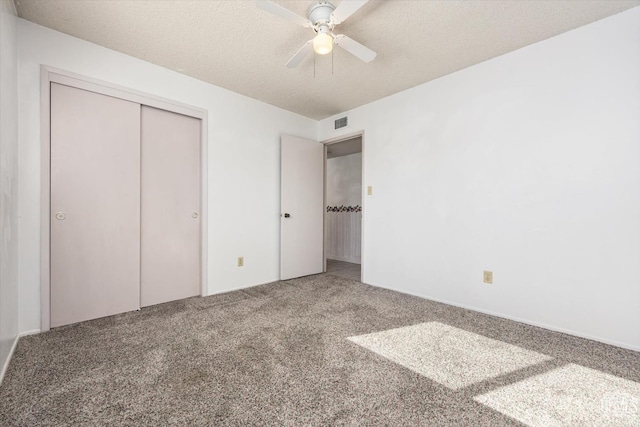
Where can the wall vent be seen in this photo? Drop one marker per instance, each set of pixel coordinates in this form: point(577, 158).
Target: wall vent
point(341, 122)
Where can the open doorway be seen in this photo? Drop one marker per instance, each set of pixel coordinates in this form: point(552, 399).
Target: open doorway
point(343, 208)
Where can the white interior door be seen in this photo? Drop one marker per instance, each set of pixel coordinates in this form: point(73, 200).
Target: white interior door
point(95, 205)
point(170, 234)
point(302, 200)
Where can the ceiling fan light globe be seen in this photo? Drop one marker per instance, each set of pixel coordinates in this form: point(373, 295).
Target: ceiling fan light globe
point(323, 44)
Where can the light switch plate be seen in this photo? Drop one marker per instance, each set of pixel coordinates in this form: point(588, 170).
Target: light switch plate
point(369, 190)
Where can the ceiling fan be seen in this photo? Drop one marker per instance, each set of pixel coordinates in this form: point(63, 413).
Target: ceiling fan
point(323, 17)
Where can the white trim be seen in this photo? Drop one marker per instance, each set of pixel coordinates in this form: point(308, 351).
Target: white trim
point(204, 206)
point(517, 319)
point(94, 85)
point(242, 287)
point(324, 212)
point(346, 137)
point(45, 199)
point(30, 332)
point(364, 210)
point(51, 74)
point(9, 356)
point(13, 349)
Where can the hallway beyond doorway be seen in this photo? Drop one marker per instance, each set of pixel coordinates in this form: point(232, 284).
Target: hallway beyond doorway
point(344, 269)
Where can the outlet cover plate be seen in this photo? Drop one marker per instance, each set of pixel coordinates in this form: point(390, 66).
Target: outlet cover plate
point(487, 277)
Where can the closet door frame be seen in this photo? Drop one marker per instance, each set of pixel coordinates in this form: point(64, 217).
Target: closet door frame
point(50, 75)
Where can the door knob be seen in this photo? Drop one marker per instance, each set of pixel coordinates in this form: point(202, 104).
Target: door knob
point(287, 215)
point(194, 215)
point(60, 216)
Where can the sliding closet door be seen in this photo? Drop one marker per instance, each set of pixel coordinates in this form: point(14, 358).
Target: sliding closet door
point(95, 205)
point(170, 235)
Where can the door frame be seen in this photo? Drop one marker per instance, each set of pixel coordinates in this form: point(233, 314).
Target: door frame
point(327, 143)
point(50, 75)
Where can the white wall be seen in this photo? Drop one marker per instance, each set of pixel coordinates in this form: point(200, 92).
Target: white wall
point(244, 159)
point(527, 165)
point(8, 183)
point(344, 180)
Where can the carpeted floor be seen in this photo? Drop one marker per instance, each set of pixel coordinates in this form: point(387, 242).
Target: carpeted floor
point(320, 350)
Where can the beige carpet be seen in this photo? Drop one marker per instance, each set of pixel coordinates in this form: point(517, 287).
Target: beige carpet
point(320, 350)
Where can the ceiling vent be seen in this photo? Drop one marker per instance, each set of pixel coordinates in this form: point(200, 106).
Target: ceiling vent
point(341, 123)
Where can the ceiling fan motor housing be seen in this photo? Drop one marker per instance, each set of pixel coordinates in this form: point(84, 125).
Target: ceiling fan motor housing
point(320, 16)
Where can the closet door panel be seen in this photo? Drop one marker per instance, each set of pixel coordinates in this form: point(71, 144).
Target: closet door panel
point(95, 205)
point(170, 234)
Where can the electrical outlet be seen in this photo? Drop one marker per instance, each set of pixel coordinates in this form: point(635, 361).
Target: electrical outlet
point(240, 261)
point(369, 190)
point(488, 277)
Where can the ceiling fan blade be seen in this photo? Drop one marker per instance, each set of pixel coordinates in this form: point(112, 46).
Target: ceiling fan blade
point(297, 57)
point(346, 8)
point(282, 12)
point(356, 49)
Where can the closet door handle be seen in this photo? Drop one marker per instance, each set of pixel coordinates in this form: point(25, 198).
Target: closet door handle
point(194, 215)
point(60, 216)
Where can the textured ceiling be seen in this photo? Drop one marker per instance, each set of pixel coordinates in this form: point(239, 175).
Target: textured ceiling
point(235, 45)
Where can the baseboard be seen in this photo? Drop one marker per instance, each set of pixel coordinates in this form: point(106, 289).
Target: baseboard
point(344, 259)
point(9, 356)
point(517, 319)
point(239, 288)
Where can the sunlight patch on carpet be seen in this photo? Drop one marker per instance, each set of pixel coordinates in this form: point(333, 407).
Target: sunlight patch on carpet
point(450, 356)
point(569, 396)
